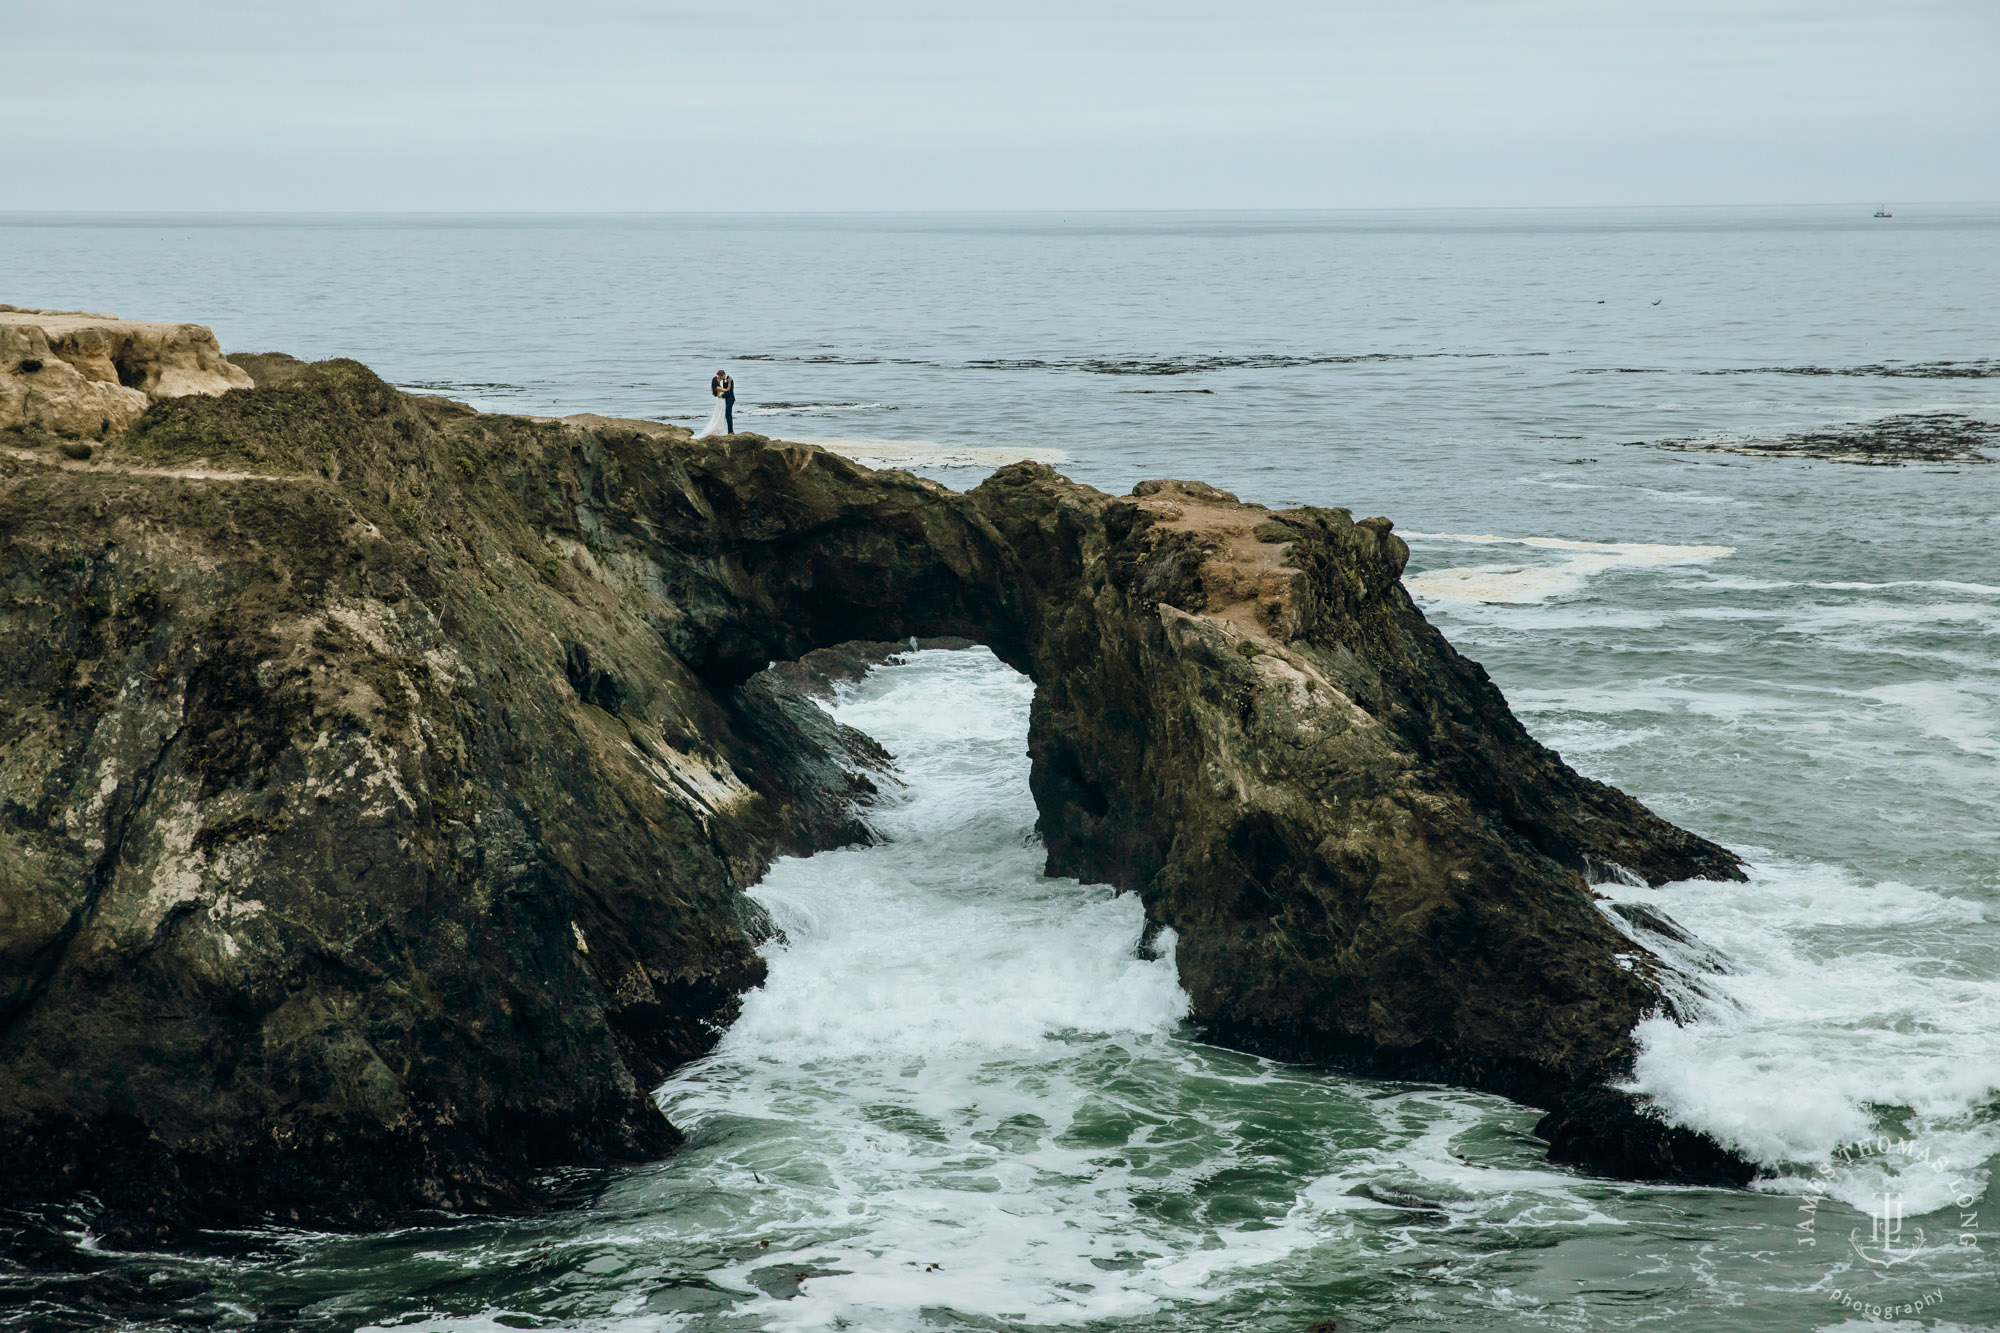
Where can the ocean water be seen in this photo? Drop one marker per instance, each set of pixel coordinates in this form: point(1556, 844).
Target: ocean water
point(964, 1100)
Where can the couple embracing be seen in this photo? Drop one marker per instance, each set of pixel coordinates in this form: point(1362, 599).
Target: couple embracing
point(722, 421)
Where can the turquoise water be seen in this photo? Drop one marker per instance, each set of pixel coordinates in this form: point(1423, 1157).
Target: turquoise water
point(960, 1063)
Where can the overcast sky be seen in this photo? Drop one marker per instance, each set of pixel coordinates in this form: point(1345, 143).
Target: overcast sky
point(556, 105)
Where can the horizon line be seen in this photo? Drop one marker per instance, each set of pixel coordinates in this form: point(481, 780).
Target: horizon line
point(961, 212)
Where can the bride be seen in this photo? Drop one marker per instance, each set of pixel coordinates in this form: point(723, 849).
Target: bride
point(719, 422)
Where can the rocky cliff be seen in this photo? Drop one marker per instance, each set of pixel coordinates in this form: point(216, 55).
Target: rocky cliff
point(379, 781)
point(83, 376)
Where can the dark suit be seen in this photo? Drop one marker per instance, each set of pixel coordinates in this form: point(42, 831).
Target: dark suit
point(729, 404)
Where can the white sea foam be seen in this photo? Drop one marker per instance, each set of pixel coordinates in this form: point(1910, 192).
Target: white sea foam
point(961, 1089)
point(1741, 583)
point(1673, 696)
point(962, 1098)
point(1527, 582)
point(1943, 585)
point(1964, 714)
point(1871, 617)
point(919, 1033)
point(1839, 1020)
point(1688, 497)
point(928, 453)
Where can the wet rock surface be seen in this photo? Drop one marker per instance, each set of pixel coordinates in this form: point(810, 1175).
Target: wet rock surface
point(1979, 368)
point(379, 781)
point(1907, 437)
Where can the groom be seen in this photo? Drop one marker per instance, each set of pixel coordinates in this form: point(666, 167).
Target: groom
point(724, 388)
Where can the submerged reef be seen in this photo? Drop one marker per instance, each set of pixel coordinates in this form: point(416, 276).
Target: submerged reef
point(380, 779)
point(1888, 441)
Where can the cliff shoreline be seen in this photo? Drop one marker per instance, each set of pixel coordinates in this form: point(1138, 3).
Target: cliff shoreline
point(380, 780)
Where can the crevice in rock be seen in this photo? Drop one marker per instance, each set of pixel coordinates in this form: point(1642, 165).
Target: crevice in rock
point(118, 823)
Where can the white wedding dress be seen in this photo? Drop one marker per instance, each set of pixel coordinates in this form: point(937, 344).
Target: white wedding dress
point(718, 422)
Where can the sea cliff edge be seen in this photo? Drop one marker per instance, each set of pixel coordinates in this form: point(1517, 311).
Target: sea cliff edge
point(380, 781)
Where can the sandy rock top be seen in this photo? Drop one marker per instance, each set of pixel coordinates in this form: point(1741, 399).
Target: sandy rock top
point(76, 374)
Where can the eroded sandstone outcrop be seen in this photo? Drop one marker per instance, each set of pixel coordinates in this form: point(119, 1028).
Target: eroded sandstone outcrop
point(379, 781)
point(82, 376)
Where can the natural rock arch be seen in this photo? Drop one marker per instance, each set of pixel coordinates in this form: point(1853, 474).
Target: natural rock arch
point(1240, 715)
point(380, 815)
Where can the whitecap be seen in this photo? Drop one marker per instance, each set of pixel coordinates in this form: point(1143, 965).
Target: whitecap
point(1943, 585)
point(1530, 582)
point(1666, 696)
point(1963, 714)
point(1838, 1019)
point(1688, 497)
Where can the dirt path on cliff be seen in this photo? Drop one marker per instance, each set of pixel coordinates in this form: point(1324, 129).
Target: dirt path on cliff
point(195, 473)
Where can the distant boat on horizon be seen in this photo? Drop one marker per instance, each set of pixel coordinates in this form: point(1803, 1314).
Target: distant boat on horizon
point(1883, 212)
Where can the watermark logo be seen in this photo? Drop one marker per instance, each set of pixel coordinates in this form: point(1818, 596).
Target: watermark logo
point(1885, 1245)
point(1892, 1239)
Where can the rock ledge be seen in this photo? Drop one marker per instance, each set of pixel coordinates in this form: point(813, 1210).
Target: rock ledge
point(85, 376)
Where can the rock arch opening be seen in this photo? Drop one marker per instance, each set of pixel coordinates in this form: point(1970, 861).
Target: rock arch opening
point(1240, 716)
